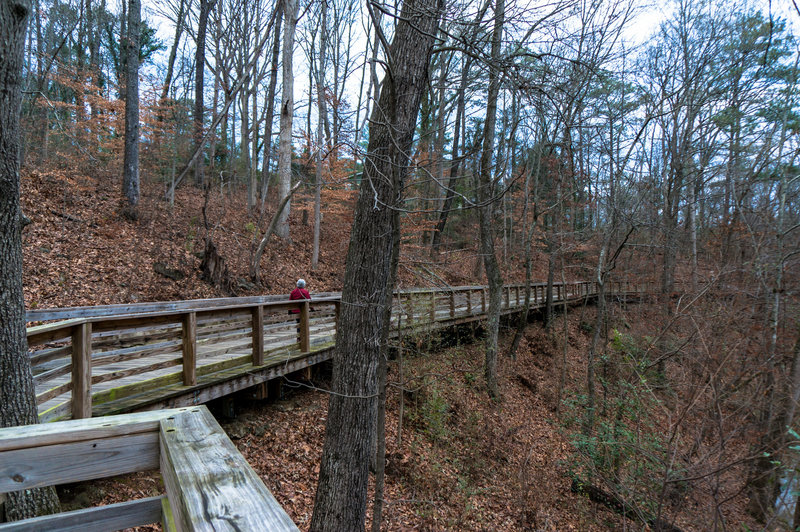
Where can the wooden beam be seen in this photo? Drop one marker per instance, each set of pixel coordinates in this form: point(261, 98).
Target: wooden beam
point(258, 335)
point(29, 436)
point(209, 483)
point(189, 340)
point(82, 371)
point(167, 516)
point(117, 516)
point(50, 465)
point(51, 332)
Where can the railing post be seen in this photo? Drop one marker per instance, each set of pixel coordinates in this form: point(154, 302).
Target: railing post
point(483, 300)
point(452, 304)
point(336, 309)
point(433, 306)
point(82, 371)
point(558, 292)
point(469, 302)
point(305, 331)
point(517, 289)
point(410, 309)
point(258, 335)
point(508, 296)
point(189, 340)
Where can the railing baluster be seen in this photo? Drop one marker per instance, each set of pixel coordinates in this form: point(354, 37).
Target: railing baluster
point(189, 343)
point(82, 371)
point(258, 335)
point(433, 306)
point(452, 304)
point(469, 302)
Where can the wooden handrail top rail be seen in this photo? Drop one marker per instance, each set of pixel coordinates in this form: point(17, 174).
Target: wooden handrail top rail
point(206, 306)
point(168, 316)
point(127, 309)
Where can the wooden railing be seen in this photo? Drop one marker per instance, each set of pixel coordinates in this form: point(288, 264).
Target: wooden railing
point(90, 358)
point(208, 483)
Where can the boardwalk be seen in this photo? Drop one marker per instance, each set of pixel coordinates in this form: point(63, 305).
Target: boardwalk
point(120, 358)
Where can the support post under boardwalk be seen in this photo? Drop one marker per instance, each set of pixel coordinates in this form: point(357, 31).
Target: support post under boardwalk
point(305, 330)
point(189, 336)
point(82, 371)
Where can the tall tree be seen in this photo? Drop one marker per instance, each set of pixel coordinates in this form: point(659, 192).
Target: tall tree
point(370, 272)
point(485, 193)
point(290, 8)
point(199, 65)
point(130, 178)
point(322, 112)
point(16, 381)
point(270, 104)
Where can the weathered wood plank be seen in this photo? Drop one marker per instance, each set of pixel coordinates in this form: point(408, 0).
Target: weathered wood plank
point(99, 519)
point(161, 306)
point(115, 323)
point(58, 371)
point(41, 356)
point(130, 372)
point(31, 436)
point(218, 384)
point(209, 484)
point(51, 332)
point(53, 392)
point(127, 354)
point(167, 517)
point(50, 465)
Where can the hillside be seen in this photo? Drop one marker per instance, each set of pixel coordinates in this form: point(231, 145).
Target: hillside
point(79, 250)
point(464, 463)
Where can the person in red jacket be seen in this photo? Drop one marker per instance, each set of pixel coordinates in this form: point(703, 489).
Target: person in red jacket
point(298, 293)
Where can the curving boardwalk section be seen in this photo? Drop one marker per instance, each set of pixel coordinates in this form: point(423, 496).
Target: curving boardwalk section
point(114, 359)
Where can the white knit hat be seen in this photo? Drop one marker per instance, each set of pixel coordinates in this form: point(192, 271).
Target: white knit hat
point(301, 283)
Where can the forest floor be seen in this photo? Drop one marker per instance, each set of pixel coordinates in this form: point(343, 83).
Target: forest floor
point(463, 462)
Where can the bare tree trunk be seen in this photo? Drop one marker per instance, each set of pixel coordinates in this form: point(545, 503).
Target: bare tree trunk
point(256, 262)
point(322, 111)
point(287, 114)
point(485, 196)
point(380, 453)
point(528, 238)
point(454, 165)
point(273, 80)
point(173, 52)
point(370, 273)
point(199, 59)
point(130, 178)
point(16, 380)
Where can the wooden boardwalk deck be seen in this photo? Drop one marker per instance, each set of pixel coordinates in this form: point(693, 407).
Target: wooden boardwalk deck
point(123, 358)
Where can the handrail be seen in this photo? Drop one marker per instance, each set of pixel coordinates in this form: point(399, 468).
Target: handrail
point(181, 337)
point(206, 479)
